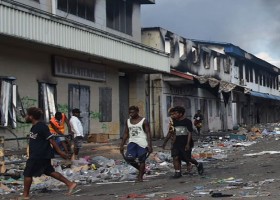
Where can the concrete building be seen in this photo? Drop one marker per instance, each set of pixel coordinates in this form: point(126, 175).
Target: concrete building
point(229, 85)
point(60, 55)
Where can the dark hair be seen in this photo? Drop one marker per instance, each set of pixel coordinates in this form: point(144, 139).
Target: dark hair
point(134, 108)
point(58, 115)
point(76, 110)
point(36, 113)
point(179, 109)
point(170, 110)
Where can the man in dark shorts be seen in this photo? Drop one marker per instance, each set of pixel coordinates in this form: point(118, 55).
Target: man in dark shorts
point(77, 128)
point(182, 142)
point(40, 153)
point(137, 131)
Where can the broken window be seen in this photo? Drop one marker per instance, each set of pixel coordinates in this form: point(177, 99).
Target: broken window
point(241, 76)
point(105, 104)
point(256, 76)
point(206, 60)
point(247, 74)
point(81, 8)
point(227, 65)
point(47, 100)
point(277, 82)
point(267, 81)
point(251, 72)
point(8, 102)
point(119, 15)
point(195, 55)
point(167, 45)
point(181, 49)
point(217, 63)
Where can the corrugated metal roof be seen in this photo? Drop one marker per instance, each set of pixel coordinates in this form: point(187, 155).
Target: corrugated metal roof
point(41, 28)
point(236, 51)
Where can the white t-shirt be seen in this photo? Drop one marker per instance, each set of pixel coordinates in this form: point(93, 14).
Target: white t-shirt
point(137, 133)
point(76, 126)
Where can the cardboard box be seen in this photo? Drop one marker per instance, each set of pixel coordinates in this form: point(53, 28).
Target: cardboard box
point(98, 138)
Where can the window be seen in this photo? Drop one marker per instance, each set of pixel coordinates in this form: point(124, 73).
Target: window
point(277, 82)
point(8, 102)
point(227, 65)
point(119, 15)
point(47, 99)
point(181, 49)
point(251, 74)
point(217, 64)
point(206, 60)
point(195, 55)
point(241, 72)
point(247, 73)
point(256, 76)
point(105, 104)
point(81, 8)
point(167, 45)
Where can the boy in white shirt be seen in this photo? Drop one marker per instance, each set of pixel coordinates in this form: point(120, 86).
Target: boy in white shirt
point(77, 128)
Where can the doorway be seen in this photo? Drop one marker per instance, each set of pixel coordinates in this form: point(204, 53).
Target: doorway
point(124, 102)
point(79, 97)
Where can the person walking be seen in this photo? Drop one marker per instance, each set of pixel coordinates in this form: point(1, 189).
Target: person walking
point(198, 118)
point(137, 132)
point(57, 127)
point(78, 131)
point(182, 142)
point(40, 153)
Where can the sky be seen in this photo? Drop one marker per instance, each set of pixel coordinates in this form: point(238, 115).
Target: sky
point(253, 25)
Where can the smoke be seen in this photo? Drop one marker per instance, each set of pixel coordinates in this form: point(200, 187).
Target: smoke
point(253, 25)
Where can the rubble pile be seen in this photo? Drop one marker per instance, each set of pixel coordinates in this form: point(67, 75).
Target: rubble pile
point(101, 170)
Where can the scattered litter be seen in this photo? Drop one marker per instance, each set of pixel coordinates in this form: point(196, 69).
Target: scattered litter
point(262, 153)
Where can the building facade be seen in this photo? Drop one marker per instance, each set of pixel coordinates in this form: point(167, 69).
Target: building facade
point(61, 55)
point(229, 85)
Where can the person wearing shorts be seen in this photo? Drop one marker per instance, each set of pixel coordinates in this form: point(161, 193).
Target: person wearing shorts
point(77, 128)
point(40, 153)
point(137, 132)
point(57, 127)
point(183, 143)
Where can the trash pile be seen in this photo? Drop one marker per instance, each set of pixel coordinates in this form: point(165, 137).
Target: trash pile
point(102, 170)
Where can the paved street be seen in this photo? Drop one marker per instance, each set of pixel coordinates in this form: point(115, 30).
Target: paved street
point(259, 174)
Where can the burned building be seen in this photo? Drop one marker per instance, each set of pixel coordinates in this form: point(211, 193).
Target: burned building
point(229, 85)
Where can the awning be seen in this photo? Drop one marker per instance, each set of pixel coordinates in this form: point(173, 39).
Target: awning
point(226, 86)
point(264, 95)
point(223, 85)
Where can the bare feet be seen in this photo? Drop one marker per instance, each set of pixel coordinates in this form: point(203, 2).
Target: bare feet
point(71, 188)
point(139, 178)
